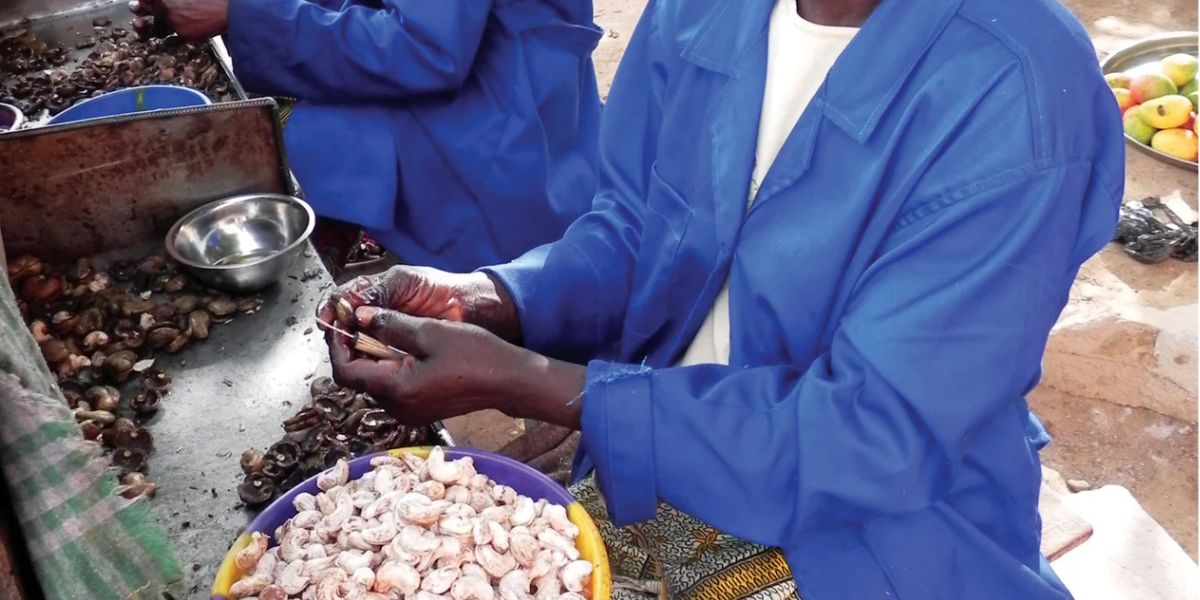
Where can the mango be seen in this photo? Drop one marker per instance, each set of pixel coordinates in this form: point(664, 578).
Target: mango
point(1150, 86)
point(1136, 128)
point(1179, 68)
point(1124, 99)
point(1179, 143)
point(1191, 86)
point(1117, 80)
point(1165, 112)
point(1194, 97)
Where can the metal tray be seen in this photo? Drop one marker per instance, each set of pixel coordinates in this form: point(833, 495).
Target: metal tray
point(121, 180)
point(1144, 56)
point(65, 28)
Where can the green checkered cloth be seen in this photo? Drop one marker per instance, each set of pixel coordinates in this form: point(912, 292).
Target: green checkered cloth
point(85, 541)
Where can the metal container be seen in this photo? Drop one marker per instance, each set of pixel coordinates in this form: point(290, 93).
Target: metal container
point(62, 23)
point(11, 117)
point(1143, 57)
point(150, 169)
point(244, 243)
point(132, 100)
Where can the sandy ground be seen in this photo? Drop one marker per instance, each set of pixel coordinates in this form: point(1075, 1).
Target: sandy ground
point(1098, 438)
point(1103, 433)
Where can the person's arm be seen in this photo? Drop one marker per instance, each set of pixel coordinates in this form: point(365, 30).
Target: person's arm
point(941, 340)
point(305, 50)
point(570, 295)
point(567, 297)
point(452, 368)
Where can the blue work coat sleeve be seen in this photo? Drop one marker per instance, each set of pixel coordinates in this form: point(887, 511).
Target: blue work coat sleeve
point(306, 50)
point(938, 342)
point(594, 261)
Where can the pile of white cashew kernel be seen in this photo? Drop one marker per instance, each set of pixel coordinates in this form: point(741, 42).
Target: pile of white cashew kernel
point(416, 529)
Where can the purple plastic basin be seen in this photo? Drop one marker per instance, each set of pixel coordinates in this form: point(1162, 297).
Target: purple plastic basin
point(504, 471)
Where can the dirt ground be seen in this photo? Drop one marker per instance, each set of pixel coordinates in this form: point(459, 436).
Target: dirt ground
point(1102, 435)
point(1108, 427)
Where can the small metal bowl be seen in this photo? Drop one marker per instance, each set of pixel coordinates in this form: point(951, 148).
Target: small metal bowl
point(11, 117)
point(244, 243)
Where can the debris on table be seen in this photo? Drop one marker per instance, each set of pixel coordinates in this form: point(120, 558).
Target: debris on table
point(366, 249)
point(99, 332)
point(335, 424)
point(35, 76)
point(416, 528)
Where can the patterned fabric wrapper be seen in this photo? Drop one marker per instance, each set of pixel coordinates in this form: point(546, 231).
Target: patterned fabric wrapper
point(686, 558)
point(84, 540)
point(285, 109)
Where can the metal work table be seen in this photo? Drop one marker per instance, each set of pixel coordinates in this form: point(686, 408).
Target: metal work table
point(229, 393)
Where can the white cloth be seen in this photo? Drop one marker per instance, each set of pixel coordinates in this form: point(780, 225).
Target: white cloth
point(799, 55)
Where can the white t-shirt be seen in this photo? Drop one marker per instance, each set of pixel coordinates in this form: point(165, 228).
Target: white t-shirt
point(799, 55)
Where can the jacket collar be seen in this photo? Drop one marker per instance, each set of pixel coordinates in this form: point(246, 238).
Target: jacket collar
point(866, 79)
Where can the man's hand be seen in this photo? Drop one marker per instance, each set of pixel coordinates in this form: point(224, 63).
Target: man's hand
point(424, 292)
point(194, 20)
point(453, 369)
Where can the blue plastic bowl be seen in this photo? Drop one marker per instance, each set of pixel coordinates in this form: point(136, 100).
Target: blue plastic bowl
point(121, 102)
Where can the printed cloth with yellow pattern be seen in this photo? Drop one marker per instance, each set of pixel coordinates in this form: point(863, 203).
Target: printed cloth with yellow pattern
point(690, 560)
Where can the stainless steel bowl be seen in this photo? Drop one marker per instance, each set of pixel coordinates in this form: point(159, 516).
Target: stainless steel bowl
point(244, 243)
point(11, 117)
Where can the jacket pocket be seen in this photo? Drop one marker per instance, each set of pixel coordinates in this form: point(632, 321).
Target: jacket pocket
point(652, 306)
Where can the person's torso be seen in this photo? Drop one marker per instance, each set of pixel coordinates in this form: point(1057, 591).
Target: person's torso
point(799, 54)
point(487, 171)
point(930, 97)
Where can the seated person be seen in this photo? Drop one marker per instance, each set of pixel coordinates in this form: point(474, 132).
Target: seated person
point(458, 133)
point(817, 391)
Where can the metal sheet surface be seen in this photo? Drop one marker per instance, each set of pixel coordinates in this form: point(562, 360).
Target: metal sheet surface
point(16, 12)
point(230, 393)
point(84, 188)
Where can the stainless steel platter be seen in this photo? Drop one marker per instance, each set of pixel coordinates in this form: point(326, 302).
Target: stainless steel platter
point(1143, 56)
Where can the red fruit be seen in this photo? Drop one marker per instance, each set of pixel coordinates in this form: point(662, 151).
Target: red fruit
point(1149, 86)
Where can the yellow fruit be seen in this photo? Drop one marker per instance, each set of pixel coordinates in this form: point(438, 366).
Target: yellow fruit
point(1124, 99)
point(1194, 98)
point(1165, 112)
point(1179, 68)
point(1191, 86)
point(1136, 127)
point(1117, 80)
point(1179, 143)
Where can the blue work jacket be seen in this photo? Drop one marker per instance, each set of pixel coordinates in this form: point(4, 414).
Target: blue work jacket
point(891, 288)
point(458, 132)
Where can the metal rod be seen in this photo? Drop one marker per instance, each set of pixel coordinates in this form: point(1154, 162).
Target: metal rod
point(437, 427)
point(365, 343)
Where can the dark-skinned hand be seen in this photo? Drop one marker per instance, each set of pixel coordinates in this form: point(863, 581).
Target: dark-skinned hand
point(425, 292)
point(454, 368)
point(193, 20)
